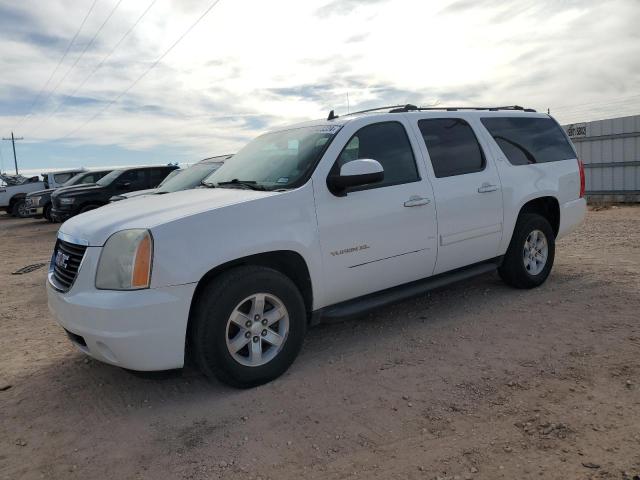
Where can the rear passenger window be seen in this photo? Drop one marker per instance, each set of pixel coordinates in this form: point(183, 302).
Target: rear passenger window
point(63, 177)
point(387, 143)
point(526, 140)
point(452, 145)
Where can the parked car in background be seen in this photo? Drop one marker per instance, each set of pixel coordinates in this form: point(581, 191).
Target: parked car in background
point(82, 198)
point(38, 203)
point(16, 187)
point(183, 179)
point(318, 220)
point(142, 193)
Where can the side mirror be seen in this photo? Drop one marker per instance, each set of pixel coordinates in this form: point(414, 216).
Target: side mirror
point(354, 174)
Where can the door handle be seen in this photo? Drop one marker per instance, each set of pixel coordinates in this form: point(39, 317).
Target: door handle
point(416, 201)
point(487, 187)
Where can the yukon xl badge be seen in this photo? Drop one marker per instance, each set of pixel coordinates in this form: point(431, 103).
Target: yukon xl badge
point(61, 259)
point(349, 250)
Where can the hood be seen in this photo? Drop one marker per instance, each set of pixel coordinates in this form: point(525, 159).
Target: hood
point(39, 193)
point(137, 193)
point(96, 226)
point(77, 189)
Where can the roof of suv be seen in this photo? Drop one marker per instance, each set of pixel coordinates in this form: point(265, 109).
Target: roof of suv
point(390, 111)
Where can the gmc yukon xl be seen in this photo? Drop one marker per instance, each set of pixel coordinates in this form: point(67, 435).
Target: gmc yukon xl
point(321, 219)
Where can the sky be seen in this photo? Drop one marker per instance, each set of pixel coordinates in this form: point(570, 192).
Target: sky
point(123, 82)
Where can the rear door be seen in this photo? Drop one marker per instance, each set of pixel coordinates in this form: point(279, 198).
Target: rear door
point(467, 192)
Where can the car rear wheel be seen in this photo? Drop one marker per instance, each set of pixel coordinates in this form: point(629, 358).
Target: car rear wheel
point(531, 252)
point(248, 326)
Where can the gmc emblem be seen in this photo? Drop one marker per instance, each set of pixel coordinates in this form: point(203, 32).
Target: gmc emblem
point(61, 259)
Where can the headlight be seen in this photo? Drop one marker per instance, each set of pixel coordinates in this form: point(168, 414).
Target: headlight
point(125, 261)
point(67, 201)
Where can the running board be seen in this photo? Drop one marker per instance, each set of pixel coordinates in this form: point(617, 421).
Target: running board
point(368, 302)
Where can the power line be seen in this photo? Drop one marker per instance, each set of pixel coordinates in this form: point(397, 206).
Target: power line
point(135, 82)
point(100, 64)
point(55, 70)
point(84, 50)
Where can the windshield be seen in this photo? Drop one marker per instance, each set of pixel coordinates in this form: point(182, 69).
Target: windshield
point(276, 160)
point(75, 179)
point(109, 177)
point(172, 174)
point(188, 178)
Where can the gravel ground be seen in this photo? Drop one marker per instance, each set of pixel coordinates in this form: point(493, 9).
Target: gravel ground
point(474, 381)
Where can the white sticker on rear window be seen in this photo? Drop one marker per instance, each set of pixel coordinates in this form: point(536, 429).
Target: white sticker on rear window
point(328, 128)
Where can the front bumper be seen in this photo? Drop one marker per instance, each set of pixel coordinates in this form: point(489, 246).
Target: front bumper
point(141, 330)
point(35, 212)
point(61, 213)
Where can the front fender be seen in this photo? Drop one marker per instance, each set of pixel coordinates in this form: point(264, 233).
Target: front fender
point(187, 248)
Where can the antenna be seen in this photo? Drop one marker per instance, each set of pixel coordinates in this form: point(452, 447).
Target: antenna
point(347, 103)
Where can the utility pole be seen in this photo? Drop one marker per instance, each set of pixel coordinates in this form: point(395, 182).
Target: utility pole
point(13, 143)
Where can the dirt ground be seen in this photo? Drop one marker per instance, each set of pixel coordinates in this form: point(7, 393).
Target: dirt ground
point(476, 381)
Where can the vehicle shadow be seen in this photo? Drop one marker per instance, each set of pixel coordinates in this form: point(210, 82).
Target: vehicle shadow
point(62, 379)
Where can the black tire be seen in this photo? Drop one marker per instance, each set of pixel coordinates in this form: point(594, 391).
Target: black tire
point(18, 209)
point(208, 328)
point(86, 208)
point(46, 213)
point(513, 270)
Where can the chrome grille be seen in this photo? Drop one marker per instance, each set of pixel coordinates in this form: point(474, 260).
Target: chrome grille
point(66, 262)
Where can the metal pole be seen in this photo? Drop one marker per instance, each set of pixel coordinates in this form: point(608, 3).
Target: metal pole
point(15, 159)
point(13, 144)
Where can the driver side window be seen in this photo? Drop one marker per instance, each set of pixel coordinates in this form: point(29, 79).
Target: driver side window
point(386, 142)
point(136, 179)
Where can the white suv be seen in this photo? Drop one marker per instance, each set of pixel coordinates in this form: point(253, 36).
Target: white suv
point(322, 219)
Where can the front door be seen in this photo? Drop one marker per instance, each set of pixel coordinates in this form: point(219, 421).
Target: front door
point(381, 235)
point(467, 192)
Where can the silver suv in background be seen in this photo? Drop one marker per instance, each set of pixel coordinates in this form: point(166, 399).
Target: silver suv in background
point(184, 179)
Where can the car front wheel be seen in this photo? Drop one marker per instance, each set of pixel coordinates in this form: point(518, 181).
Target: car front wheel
point(248, 326)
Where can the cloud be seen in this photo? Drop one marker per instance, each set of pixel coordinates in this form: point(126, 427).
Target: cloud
point(343, 7)
point(236, 75)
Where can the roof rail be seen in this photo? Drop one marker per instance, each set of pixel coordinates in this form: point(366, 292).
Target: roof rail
point(453, 109)
point(413, 108)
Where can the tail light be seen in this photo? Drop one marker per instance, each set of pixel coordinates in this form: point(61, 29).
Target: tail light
point(582, 179)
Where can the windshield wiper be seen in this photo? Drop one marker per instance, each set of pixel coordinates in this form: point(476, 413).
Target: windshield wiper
point(245, 183)
point(529, 156)
point(207, 184)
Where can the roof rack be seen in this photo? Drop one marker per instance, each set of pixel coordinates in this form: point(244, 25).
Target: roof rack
point(413, 108)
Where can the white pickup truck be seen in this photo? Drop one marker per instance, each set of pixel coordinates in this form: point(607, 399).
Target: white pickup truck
point(14, 188)
point(322, 219)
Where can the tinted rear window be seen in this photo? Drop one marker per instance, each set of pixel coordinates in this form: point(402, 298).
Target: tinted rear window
point(527, 140)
